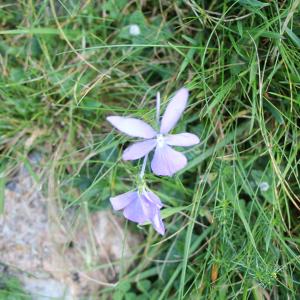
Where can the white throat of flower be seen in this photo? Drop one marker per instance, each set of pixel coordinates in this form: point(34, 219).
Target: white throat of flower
point(160, 140)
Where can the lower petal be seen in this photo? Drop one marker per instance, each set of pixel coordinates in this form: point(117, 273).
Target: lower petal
point(182, 139)
point(166, 161)
point(158, 224)
point(139, 210)
point(138, 150)
point(151, 197)
point(121, 201)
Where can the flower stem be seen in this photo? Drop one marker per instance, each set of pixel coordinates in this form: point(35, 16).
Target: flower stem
point(157, 107)
point(144, 166)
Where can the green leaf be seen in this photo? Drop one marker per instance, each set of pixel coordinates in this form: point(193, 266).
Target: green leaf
point(124, 286)
point(2, 189)
point(71, 34)
point(137, 18)
point(253, 3)
point(230, 136)
point(274, 111)
point(114, 8)
point(293, 37)
point(118, 295)
point(130, 296)
point(144, 285)
point(240, 28)
point(167, 212)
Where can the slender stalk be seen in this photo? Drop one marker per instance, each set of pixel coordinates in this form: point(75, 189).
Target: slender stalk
point(157, 107)
point(142, 173)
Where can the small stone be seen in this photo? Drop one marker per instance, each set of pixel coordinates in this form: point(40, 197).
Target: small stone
point(11, 185)
point(134, 30)
point(264, 186)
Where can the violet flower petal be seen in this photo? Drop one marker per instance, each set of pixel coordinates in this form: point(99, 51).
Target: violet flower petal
point(132, 127)
point(153, 198)
point(121, 201)
point(182, 139)
point(158, 223)
point(139, 210)
point(166, 161)
point(138, 150)
point(156, 218)
point(174, 110)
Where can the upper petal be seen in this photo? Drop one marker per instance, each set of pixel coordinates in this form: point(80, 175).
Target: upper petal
point(182, 139)
point(138, 150)
point(174, 110)
point(133, 127)
point(166, 161)
point(121, 201)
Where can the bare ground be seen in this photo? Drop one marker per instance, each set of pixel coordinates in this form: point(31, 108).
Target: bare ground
point(59, 254)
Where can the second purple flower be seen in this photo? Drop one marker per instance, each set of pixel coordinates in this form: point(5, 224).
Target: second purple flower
point(140, 207)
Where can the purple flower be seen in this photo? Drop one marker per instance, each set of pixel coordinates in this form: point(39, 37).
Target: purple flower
point(140, 207)
point(166, 161)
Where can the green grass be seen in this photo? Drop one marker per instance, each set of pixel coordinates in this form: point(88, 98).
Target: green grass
point(11, 289)
point(66, 65)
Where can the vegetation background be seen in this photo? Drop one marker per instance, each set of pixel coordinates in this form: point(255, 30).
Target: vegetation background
point(232, 215)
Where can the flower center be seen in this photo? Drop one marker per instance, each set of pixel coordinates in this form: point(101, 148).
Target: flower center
point(160, 140)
